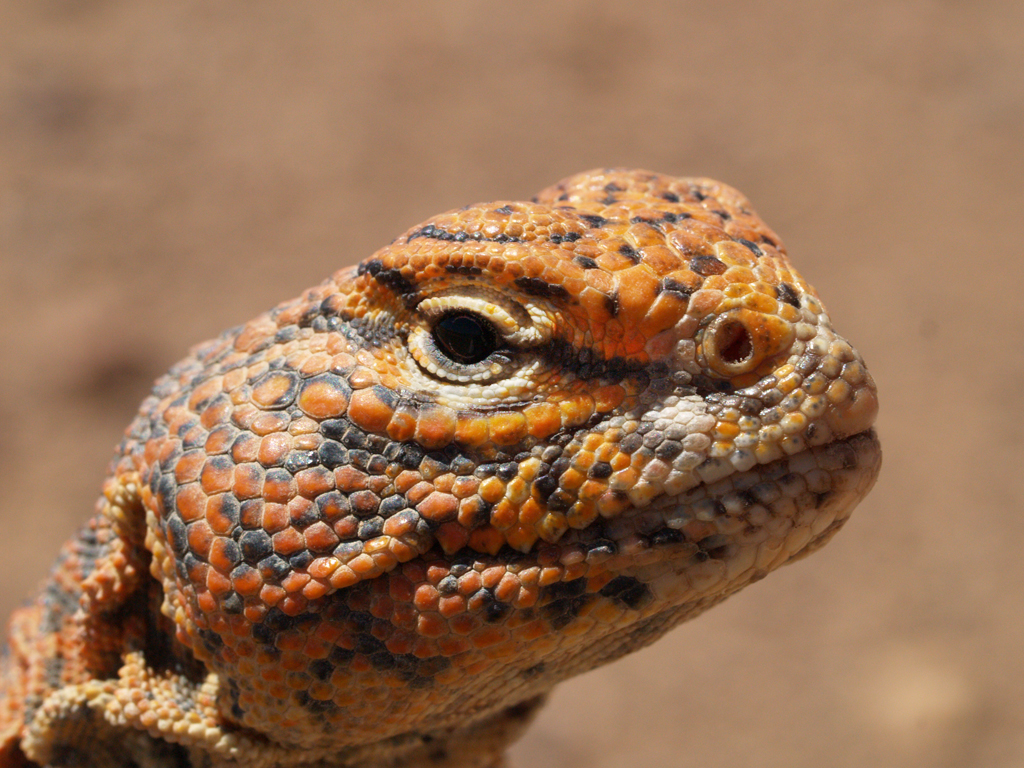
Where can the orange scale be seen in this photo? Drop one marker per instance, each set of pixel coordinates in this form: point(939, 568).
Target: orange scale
point(582, 513)
point(614, 332)
point(735, 255)
point(247, 583)
point(426, 598)
point(521, 538)
point(275, 517)
point(279, 488)
point(704, 302)
point(220, 559)
point(527, 597)
point(508, 428)
point(487, 539)
point(576, 410)
point(452, 646)
point(489, 636)
point(504, 515)
point(205, 600)
point(760, 302)
point(314, 590)
point(245, 412)
point(247, 480)
point(273, 449)
point(254, 614)
point(716, 283)
point(660, 258)
point(435, 427)
point(317, 363)
point(369, 411)
point(663, 312)
point(464, 487)
point(295, 581)
point(432, 271)
point(200, 539)
point(218, 583)
point(451, 605)
point(642, 234)
point(271, 595)
point(402, 426)
point(636, 289)
point(341, 361)
point(471, 430)
point(323, 397)
point(274, 390)
point(218, 412)
point(233, 379)
point(190, 502)
point(634, 344)
point(220, 513)
point(311, 482)
point(608, 397)
point(349, 479)
point(320, 537)
point(217, 476)
point(288, 542)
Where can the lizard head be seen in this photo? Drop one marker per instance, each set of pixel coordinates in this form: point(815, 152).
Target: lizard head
point(521, 440)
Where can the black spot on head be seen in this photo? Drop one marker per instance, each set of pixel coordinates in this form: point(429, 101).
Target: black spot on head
point(534, 286)
point(463, 269)
point(630, 253)
point(628, 591)
point(789, 295)
point(565, 601)
point(296, 461)
point(666, 536)
point(585, 261)
point(232, 604)
point(707, 265)
point(593, 221)
point(546, 485)
point(531, 672)
point(505, 209)
point(668, 285)
point(256, 545)
point(429, 231)
point(392, 279)
point(672, 197)
point(523, 709)
point(656, 223)
point(754, 247)
point(611, 303)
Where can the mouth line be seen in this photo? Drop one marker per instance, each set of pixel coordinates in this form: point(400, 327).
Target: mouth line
point(821, 483)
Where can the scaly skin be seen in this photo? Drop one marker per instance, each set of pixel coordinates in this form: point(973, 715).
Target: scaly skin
point(377, 524)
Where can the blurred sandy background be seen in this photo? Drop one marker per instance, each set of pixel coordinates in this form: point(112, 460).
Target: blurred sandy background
point(169, 169)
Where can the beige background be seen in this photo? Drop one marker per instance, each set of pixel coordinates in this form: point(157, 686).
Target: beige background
point(169, 169)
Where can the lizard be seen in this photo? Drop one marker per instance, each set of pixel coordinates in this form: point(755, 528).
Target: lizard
point(377, 524)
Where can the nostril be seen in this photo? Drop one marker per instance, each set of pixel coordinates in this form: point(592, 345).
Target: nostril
point(738, 341)
point(733, 342)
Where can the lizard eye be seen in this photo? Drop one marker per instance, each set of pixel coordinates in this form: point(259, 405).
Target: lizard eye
point(464, 338)
point(474, 335)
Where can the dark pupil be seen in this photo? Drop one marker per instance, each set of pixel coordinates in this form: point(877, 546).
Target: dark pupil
point(464, 338)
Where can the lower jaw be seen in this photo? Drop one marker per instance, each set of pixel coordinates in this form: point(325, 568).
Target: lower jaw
point(784, 510)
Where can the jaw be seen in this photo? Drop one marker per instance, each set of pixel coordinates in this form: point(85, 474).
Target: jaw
point(716, 538)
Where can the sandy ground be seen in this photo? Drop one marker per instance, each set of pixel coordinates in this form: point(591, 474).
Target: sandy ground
point(169, 169)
